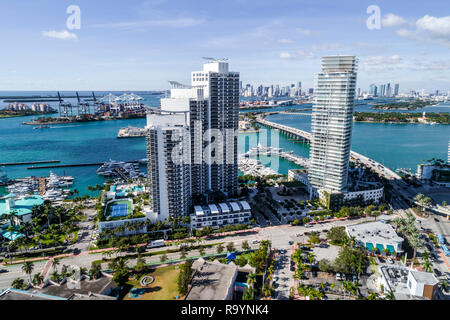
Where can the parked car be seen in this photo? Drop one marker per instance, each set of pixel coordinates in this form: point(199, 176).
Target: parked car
point(338, 277)
point(292, 268)
point(390, 260)
point(323, 245)
point(305, 248)
point(3, 270)
point(254, 241)
point(437, 272)
point(291, 242)
point(354, 278)
point(298, 234)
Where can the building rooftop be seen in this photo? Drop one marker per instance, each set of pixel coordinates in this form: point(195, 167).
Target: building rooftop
point(374, 232)
point(15, 294)
point(212, 280)
point(424, 277)
point(221, 208)
point(87, 287)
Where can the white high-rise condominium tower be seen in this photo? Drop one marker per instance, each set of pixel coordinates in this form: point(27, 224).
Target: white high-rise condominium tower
point(197, 123)
point(169, 174)
point(221, 89)
point(332, 120)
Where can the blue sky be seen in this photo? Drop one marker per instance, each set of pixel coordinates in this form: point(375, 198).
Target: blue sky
point(141, 44)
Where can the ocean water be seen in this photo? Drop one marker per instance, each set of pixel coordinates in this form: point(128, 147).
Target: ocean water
point(396, 146)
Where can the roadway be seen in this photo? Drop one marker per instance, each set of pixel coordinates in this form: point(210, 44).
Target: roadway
point(278, 235)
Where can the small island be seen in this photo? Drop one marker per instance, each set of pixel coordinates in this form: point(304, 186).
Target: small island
point(403, 105)
point(22, 113)
point(404, 117)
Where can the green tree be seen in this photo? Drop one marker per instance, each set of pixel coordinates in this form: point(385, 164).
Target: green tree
point(163, 258)
point(245, 245)
point(37, 279)
point(28, 268)
point(18, 283)
point(121, 277)
point(184, 277)
point(336, 234)
point(230, 247)
point(219, 248)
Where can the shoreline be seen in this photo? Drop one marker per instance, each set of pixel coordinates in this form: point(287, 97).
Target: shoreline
point(398, 122)
point(35, 123)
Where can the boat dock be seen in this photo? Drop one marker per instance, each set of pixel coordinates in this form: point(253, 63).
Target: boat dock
point(27, 162)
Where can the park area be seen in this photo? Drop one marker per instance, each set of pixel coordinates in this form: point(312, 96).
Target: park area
point(163, 287)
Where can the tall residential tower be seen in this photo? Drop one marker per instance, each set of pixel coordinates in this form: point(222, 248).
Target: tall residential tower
point(332, 120)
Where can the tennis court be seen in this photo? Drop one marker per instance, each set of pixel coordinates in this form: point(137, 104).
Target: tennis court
point(119, 210)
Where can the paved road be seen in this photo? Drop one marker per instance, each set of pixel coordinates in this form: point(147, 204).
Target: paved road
point(279, 235)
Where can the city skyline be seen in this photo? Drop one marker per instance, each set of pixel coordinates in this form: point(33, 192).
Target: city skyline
point(272, 43)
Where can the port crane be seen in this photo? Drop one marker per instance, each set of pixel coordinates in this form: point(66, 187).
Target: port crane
point(65, 108)
point(83, 107)
point(98, 105)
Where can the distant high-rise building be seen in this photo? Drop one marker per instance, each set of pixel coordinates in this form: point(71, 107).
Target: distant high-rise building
point(332, 120)
point(388, 89)
point(382, 90)
point(396, 89)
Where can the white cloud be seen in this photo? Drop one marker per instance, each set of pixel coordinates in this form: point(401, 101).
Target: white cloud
point(298, 55)
point(391, 20)
point(429, 29)
point(436, 26)
point(305, 32)
point(63, 35)
point(377, 60)
point(285, 41)
point(327, 47)
point(174, 23)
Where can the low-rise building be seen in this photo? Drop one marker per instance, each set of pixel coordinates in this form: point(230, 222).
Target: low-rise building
point(422, 284)
point(139, 226)
point(222, 214)
point(19, 208)
point(376, 236)
point(212, 281)
point(407, 283)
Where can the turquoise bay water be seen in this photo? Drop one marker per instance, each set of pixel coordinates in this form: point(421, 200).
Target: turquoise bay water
point(395, 145)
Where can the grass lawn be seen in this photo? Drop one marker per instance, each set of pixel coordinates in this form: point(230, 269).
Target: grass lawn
point(163, 288)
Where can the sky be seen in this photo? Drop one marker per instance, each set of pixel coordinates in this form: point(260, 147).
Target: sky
point(142, 44)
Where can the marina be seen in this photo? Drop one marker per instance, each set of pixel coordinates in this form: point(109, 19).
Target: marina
point(124, 170)
point(53, 187)
point(279, 152)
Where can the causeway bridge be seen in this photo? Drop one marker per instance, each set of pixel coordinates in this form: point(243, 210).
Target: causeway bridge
point(306, 137)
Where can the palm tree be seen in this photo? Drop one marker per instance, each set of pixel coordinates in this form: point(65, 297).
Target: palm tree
point(201, 251)
point(444, 285)
point(427, 265)
point(251, 279)
point(28, 268)
point(55, 263)
point(311, 257)
point(219, 248)
point(37, 279)
point(18, 283)
point(163, 258)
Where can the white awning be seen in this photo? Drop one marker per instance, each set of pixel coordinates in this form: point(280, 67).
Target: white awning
point(224, 207)
point(213, 208)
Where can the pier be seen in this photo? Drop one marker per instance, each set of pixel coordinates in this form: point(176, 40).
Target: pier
point(27, 162)
point(279, 152)
point(73, 165)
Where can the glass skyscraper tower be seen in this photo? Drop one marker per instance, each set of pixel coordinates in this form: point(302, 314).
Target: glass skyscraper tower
point(332, 121)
